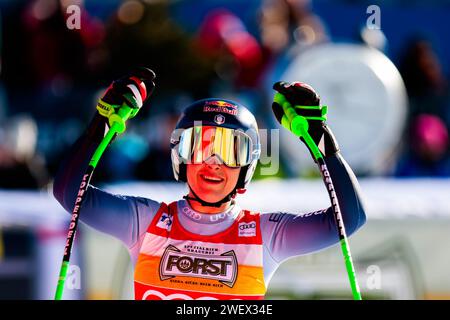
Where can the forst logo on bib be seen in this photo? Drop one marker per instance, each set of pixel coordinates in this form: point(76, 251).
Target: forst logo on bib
point(175, 263)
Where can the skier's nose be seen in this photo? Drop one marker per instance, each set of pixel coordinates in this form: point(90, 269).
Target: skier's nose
point(213, 162)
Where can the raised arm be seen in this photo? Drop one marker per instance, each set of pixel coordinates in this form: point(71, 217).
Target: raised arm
point(123, 217)
point(286, 235)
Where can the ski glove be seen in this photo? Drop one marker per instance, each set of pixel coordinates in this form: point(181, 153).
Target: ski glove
point(132, 91)
point(306, 103)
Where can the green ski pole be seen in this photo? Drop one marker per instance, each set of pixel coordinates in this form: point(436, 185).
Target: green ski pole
point(298, 124)
point(117, 125)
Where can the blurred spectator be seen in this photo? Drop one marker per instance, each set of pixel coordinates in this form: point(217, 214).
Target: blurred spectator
point(243, 58)
point(49, 71)
point(224, 37)
point(427, 151)
point(20, 167)
point(285, 23)
point(47, 59)
point(429, 109)
point(142, 33)
point(425, 80)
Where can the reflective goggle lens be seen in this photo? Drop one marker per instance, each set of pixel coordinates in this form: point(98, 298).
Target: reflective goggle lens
point(199, 143)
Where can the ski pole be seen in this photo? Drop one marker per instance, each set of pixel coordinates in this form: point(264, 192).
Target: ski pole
point(117, 125)
point(298, 124)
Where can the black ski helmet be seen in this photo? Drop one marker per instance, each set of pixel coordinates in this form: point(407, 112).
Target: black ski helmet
point(217, 113)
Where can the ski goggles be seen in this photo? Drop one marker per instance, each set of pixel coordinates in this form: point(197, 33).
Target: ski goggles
point(233, 147)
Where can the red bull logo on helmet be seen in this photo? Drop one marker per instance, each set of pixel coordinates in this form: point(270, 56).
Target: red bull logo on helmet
point(220, 106)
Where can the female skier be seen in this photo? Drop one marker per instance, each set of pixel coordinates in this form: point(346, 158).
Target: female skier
point(205, 246)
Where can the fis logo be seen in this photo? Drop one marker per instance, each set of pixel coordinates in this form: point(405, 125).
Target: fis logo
point(219, 119)
point(247, 229)
point(175, 263)
point(165, 222)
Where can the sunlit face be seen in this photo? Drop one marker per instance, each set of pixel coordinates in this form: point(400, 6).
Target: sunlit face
point(212, 181)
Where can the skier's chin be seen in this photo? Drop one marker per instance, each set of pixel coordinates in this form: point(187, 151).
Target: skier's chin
point(211, 194)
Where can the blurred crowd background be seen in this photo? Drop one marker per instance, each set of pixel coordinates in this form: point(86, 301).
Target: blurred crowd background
point(51, 76)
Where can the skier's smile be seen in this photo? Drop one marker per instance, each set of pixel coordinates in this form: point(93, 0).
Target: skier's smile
point(211, 180)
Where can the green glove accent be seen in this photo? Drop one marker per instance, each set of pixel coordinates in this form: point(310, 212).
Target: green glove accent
point(292, 118)
point(117, 114)
point(104, 108)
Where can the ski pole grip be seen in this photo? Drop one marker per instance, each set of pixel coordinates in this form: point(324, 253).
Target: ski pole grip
point(118, 119)
point(292, 121)
point(297, 124)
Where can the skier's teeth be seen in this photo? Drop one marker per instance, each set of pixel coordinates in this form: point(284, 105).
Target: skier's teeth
point(212, 178)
